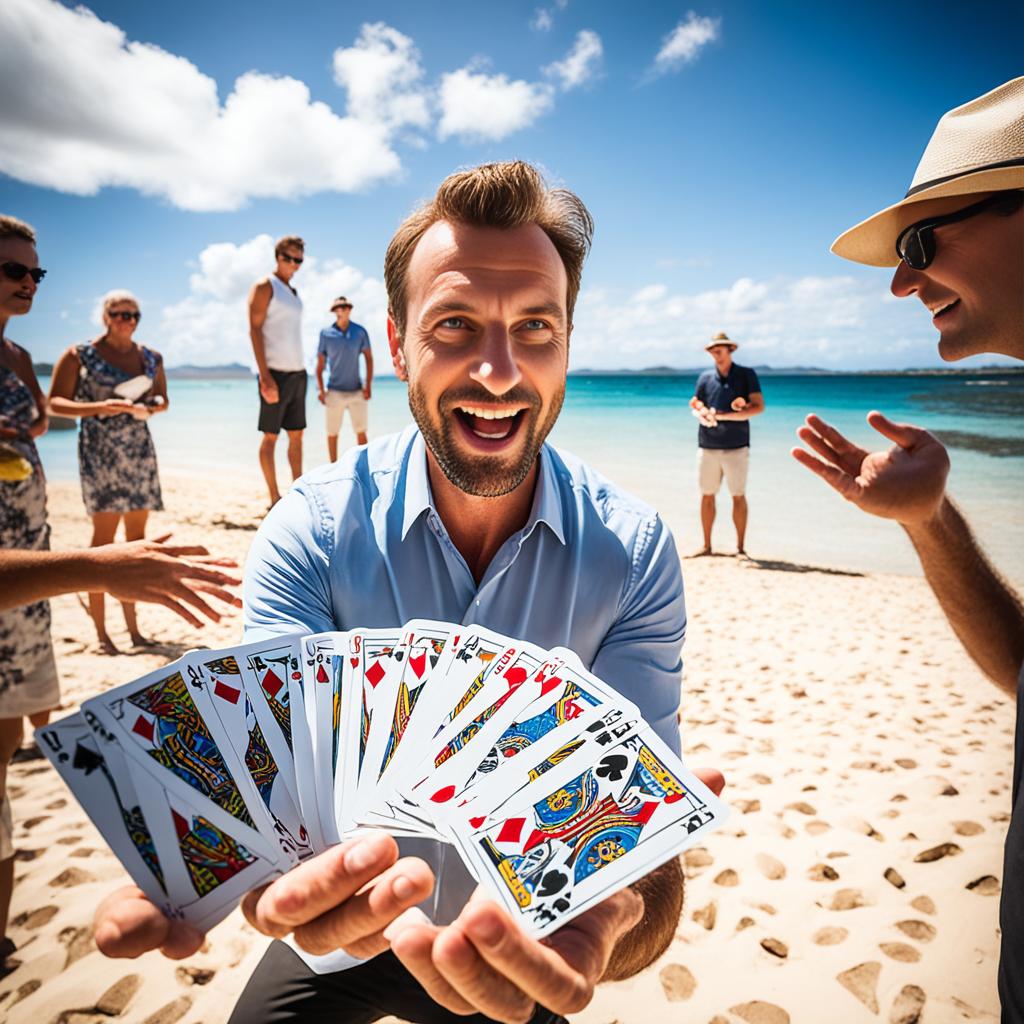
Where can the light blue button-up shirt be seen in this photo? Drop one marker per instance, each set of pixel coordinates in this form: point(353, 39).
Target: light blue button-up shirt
point(360, 543)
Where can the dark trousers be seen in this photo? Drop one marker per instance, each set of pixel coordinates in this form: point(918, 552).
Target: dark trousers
point(283, 990)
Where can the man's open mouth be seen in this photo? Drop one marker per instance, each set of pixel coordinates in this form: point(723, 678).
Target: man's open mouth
point(490, 424)
point(947, 307)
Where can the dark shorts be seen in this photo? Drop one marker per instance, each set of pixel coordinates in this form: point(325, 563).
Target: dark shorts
point(289, 411)
point(283, 990)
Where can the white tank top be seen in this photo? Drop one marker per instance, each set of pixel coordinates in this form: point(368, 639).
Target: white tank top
point(282, 329)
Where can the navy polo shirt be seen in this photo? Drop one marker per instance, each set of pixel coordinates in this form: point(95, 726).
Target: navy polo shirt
point(718, 392)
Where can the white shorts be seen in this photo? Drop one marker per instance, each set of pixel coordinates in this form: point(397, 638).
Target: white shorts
point(337, 402)
point(714, 463)
point(38, 691)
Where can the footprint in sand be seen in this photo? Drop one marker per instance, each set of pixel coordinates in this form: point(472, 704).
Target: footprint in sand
point(78, 942)
point(195, 975)
point(967, 828)
point(817, 827)
point(728, 878)
point(30, 823)
point(822, 873)
point(937, 853)
point(922, 931)
point(829, 936)
point(33, 919)
point(745, 922)
point(847, 899)
point(801, 807)
point(900, 951)
point(772, 868)
point(56, 805)
point(69, 840)
point(115, 1000)
point(776, 947)
point(706, 915)
point(987, 885)
point(71, 877)
point(758, 1012)
point(862, 982)
point(893, 877)
point(925, 904)
point(171, 1012)
point(25, 991)
point(907, 1007)
point(27, 854)
point(677, 982)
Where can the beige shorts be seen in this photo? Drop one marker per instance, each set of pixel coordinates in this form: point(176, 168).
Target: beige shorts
point(336, 404)
point(38, 691)
point(714, 463)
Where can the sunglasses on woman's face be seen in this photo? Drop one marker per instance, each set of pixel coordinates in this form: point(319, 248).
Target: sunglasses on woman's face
point(125, 316)
point(916, 244)
point(17, 271)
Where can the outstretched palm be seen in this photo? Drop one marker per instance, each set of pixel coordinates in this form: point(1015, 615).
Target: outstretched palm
point(905, 483)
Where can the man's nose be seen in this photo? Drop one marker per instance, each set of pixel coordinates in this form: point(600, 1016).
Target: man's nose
point(496, 368)
point(905, 281)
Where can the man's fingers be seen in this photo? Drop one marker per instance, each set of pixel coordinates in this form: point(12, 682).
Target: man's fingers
point(712, 778)
point(185, 593)
point(322, 883)
point(414, 948)
point(903, 434)
point(191, 571)
point(127, 925)
point(535, 969)
point(222, 595)
point(362, 917)
point(489, 990)
point(844, 448)
point(845, 484)
point(178, 609)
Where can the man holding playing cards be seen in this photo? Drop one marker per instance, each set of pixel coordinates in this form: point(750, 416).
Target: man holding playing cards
point(470, 518)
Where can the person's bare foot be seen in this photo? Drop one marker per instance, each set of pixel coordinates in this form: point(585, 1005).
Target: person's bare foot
point(106, 644)
point(138, 640)
point(701, 553)
point(742, 555)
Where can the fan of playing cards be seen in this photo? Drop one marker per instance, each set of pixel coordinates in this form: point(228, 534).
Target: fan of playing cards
point(225, 768)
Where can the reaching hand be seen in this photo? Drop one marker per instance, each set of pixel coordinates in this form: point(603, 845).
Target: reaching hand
point(151, 570)
point(905, 483)
point(114, 407)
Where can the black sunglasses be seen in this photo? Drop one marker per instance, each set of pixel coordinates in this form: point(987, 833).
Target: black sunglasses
point(125, 316)
point(915, 245)
point(297, 260)
point(17, 271)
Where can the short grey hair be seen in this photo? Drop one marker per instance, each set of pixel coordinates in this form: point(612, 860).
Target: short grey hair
point(118, 295)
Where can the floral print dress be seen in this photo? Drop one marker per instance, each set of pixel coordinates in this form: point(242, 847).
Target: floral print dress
point(26, 655)
point(116, 457)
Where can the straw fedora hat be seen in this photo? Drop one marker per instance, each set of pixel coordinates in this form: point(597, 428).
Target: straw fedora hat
point(721, 338)
point(978, 147)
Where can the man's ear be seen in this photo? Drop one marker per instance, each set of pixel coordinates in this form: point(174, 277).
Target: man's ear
point(397, 355)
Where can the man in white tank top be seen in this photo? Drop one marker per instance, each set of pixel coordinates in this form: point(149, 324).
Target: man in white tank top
point(275, 326)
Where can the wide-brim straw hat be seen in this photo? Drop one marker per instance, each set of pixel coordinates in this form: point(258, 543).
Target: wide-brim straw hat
point(978, 147)
point(721, 338)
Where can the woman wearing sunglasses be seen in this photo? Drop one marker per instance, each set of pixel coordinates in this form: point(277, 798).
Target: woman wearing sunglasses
point(113, 385)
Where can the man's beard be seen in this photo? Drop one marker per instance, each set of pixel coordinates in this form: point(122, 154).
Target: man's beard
point(483, 476)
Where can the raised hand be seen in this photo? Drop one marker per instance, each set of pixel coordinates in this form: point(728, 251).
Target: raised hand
point(905, 483)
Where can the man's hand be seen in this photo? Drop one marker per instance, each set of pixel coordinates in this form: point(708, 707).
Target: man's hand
point(268, 389)
point(483, 962)
point(153, 571)
point(343, 898)
point(366, 392)
point(126, 925)
point(905, 483)
point(739, 403)
point(322, 395)
point(704, 413)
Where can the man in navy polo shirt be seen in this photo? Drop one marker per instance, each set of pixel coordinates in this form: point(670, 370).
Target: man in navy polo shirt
point(340, 347)
point(726, 398)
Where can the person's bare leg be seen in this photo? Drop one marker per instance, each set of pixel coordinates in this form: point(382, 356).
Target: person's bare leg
point(332, 447)
point(10, 740)
point(135, 529)
point(267, 446)
point(707, 519)
point(104, 527)
point(739, 518)
point(295, 453)
point(41, 718)
point(361, 438)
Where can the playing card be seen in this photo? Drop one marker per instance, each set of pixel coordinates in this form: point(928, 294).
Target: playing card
point(322, 661)
point(572, 838)
point(158, 724)
point(367, 660)
point(215, 682)
point(113, 791)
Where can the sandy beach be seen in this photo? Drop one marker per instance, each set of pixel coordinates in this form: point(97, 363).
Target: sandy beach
point(867, 763)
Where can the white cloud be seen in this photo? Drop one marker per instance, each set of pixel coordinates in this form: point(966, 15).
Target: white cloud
point(542, 20)
point(384, 78)
point(831, 322)
point(86, 108)
point(475, 105)
point(209, 325)
point(581, 63)
point(685, 41)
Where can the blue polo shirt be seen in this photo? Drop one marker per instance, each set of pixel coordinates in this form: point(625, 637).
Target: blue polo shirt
point(360, 543)
point(342, 348)
point(718, 392)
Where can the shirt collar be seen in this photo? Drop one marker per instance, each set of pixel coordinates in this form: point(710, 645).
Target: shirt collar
point(547, 505)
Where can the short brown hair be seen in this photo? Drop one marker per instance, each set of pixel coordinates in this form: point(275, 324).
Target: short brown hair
point(11, 227)
point(505, 195)
point(288, 242)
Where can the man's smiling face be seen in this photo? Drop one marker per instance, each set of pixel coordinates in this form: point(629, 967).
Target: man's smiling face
point(486, 350)
point(974, 287)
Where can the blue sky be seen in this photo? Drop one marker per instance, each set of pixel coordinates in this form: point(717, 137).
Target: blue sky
point(161, 147)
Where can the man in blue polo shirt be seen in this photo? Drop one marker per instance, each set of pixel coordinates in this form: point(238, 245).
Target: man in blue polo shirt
point(468, 516)
point(725, 400)
point(341, 344)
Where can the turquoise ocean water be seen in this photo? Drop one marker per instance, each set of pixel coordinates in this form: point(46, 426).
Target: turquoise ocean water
point(639, 432)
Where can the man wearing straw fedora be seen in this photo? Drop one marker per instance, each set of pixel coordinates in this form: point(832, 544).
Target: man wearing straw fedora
point(957, 242)
point(724, 401)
